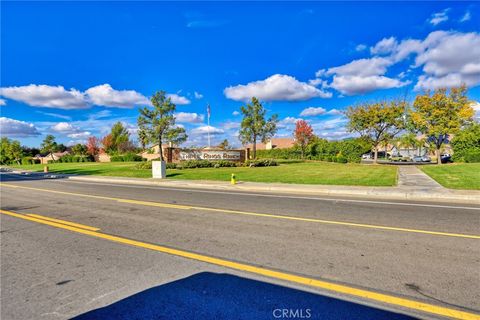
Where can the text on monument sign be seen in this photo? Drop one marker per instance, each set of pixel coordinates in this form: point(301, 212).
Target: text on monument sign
point(210, 155)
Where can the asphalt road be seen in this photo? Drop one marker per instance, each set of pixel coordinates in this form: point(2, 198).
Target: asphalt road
point(197, 254)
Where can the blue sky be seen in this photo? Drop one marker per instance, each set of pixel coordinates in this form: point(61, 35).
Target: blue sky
point(73, 69)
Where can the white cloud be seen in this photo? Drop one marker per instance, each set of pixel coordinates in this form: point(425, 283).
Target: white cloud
point(336, 123)
point(476, 106)
point(362, 67)
point(189, 117)
point(80, 135)
point(105, 95)
point(360, 47)
point(46, 96)
point(287, 123)
point(277, 87)
point(447, 58)
point(335, 135)
point(204, 130)
point(178, 99)
point(289, 120)
point(55, 115)
point(198, 95)
point(386, 45)
point(466, 17)
point(15, 128)
point(235, 113)
point(64, 127)
point(439, 17)
point(312, 111)
point(352, 85)
point(335, 112)
point(452, 59)
point(3, 102)
point(320, 73)
point(60, 98)
point(230, 125)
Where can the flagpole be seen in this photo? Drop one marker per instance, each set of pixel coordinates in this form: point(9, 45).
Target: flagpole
point(208, 124)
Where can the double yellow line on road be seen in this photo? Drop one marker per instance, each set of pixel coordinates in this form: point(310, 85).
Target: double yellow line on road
point(247, 213)
point(342, 289)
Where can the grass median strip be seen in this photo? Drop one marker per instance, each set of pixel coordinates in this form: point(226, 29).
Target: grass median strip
point(308, 172)
point(256, 214)
point(320, 284)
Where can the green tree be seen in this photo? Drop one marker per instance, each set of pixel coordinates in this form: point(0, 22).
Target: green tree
point(10, 151)
point(224, 145)
point(49, 145)
point(158, 122)
point(142, 138)
point(254, 126)
point(408, 141)
point(378, 122)
point(440, 114)
point(120, 136)
point(466, 141)
point(79, 149)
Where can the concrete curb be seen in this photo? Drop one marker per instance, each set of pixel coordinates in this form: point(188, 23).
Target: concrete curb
point(396, 193)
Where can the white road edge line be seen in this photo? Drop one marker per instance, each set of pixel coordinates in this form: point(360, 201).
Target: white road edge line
point(240, 193)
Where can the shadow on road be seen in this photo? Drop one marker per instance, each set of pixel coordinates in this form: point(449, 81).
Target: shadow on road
point(209, 295)
point(28, 176)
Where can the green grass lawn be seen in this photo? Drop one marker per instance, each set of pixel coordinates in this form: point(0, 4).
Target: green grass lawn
point(304, 172)
point(455, 176)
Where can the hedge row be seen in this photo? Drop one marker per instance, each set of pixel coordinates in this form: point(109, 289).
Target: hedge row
point(129, 157)
point(466, 144)
point(349, 150)
point(30, 160)
point(472, 156)
point(191, 164)
point(74, 158)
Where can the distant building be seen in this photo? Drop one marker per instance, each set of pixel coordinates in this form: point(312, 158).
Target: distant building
point(153, 152)
point(49, 157)
point(274, 143)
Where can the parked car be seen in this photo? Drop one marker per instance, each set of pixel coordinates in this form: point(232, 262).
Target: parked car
point(446, 158)
point(397, 158)
point(371, 155)
point(423, 158)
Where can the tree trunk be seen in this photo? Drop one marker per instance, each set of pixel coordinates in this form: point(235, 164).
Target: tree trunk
point(51, 154)
point(160, 148)
point(303, 152)
point(375, 155)
point(254, 147)
point(437, 153)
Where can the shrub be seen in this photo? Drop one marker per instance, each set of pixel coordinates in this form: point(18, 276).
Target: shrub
point(128, 157)
point(224, 163)
point(144, 165)
point(341, 159)
point(472, 156)
point(169, 165)
point(289, 153)
point(30, 160)
point(148, 165)
point(321, 149)
point(191, 164)
point(467, 141)
point(74, 158)
point(261, 163)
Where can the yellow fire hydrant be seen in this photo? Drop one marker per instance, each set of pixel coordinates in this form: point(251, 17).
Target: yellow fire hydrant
point(233, 179)
point(45, 169)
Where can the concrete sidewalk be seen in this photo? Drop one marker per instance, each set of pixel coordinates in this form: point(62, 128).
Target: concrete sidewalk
point(413, 184)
